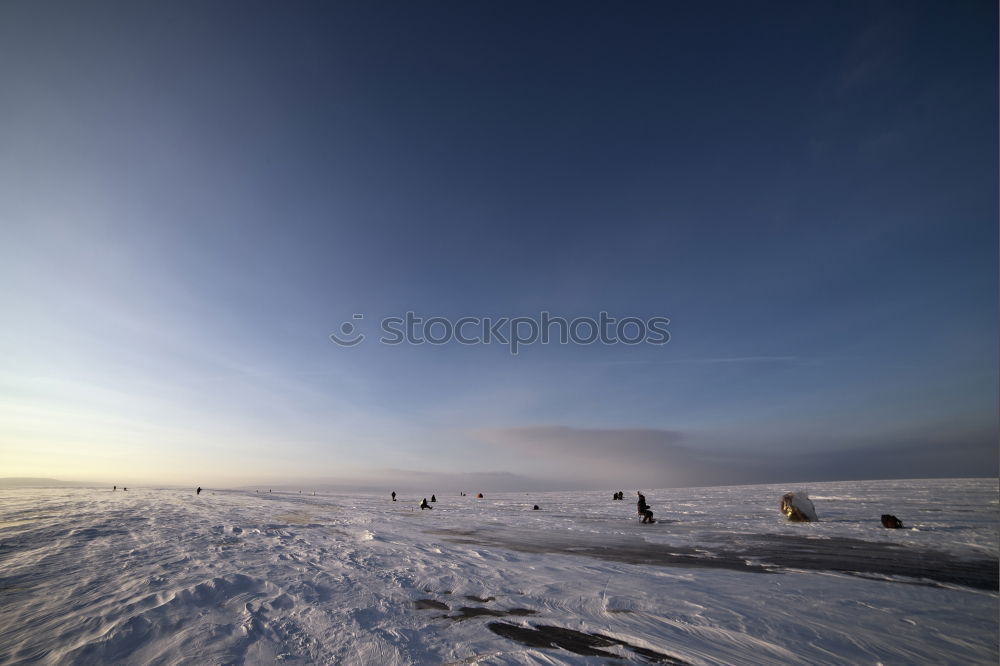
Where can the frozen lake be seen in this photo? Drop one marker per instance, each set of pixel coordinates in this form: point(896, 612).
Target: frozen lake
point(164, 576)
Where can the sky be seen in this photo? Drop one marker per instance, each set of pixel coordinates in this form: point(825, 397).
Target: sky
point(195, 196)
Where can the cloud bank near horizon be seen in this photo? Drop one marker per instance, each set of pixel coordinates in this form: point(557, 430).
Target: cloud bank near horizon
point(670, 458)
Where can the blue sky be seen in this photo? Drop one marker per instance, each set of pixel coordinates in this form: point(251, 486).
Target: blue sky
point(194, 197)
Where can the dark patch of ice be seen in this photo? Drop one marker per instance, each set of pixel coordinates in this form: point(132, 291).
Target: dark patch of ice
point(430, 604)
point(466, 612)
point(757, 553)
point(577, 642)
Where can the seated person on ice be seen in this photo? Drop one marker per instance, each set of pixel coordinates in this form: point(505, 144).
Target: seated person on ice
point(643, 509)
point(425, 505)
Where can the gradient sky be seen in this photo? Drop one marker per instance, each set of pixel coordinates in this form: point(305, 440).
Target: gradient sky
point(194, 196)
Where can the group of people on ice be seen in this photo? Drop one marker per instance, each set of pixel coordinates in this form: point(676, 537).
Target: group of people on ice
point(645, 513)
point(423, 503)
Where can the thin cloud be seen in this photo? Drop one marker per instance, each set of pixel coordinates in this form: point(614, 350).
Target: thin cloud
point(740, 359)
point(714, 360)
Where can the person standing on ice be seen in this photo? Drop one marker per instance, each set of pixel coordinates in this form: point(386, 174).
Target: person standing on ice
point(198, 492)
point(393, 495)
point(434, 499)
point(425, 505)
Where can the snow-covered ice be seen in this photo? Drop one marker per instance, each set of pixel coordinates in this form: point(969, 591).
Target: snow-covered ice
point(156, 576)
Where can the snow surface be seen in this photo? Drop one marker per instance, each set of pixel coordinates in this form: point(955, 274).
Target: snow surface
point(156, 576)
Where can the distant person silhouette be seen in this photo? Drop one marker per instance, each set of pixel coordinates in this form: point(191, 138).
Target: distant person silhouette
point(434, 499)
point(425, 505)
point(198, 492)
point(115, 488)
point(393, 495)
point(480, 496)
